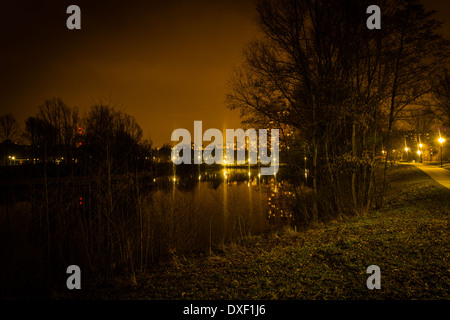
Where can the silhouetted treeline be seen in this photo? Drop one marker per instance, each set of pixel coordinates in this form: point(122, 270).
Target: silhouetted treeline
point(104, 137)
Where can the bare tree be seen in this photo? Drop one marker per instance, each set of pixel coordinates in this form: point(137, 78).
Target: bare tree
point(414, 53)
point(9, 127)
point(320, 70)
point(441, 93)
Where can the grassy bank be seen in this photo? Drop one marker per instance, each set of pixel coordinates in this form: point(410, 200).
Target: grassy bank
point(408, 240)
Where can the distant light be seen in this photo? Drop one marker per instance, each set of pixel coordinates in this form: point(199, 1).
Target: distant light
point(419, 152)
point(420, 145)
point(406, 149)
point(13, 158)
point(441, 140)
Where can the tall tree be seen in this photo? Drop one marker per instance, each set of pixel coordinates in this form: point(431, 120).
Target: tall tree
point(414, 52)
point(8, 127)
point(320, 70)
point(441, 91)
point(65, 121)
point(112, 138)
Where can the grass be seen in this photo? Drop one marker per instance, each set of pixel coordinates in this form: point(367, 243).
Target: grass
point(408, 240)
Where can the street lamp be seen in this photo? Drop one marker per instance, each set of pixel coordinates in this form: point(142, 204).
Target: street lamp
point(419, 152)
point(441, 141)
point(406, 149)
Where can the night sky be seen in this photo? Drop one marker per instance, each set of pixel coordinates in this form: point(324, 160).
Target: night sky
point(164, 62)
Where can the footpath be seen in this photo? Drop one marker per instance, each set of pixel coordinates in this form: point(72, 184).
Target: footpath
point(439, 174)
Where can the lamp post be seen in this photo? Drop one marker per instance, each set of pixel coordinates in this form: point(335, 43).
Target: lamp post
point(420, 152)
point(406, 149)
point(306, 172)
point(441, 141)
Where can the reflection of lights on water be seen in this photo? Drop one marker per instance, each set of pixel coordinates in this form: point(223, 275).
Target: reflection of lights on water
point(279, 202)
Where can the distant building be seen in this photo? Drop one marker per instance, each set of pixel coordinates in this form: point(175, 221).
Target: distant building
point(12, 153)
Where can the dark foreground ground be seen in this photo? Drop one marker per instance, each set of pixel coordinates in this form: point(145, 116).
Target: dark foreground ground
point(409, 240)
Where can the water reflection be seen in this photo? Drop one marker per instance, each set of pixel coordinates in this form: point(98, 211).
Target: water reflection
point(269, 196)
point(264, 197)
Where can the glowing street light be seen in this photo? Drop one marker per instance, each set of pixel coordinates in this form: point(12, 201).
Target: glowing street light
point(419, 152)
point(407, 155)
point(441, 141)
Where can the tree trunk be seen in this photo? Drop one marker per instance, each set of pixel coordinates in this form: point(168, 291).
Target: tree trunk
point(354, 195)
